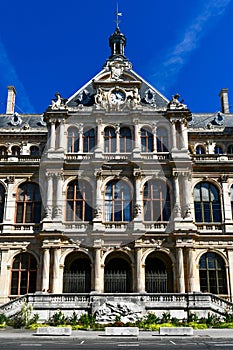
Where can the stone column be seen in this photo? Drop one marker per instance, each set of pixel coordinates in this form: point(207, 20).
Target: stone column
point(184, 133)
point(56, 270)
point(138, 208)
point(52, 134)
point(154, 131)
point(98, 273)
point(191, 270)
point(230, 273)
point(186, 196)
point(118, 139)
point(62, 139)
point(49, 198)
point(140, 272)
point(5, 275)
point(99, 149)
point(137, 135)
point(174, 143)
point(177, 209)
point(226, 199)
point(59, 199)
point(80, 138)
point(46, 268)
point(180, 271)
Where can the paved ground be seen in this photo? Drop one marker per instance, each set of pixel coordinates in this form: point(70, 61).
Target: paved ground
point(198, 334)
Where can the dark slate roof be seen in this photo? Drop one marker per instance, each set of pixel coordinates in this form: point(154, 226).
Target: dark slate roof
point(210, 121)
point(25, 121)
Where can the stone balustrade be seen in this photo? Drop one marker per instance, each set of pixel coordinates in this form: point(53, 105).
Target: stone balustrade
point(131, 305)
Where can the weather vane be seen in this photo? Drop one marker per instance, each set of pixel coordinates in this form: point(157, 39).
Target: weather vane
point(118, 14)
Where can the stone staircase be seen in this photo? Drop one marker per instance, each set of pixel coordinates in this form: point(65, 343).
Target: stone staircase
point(128, 306)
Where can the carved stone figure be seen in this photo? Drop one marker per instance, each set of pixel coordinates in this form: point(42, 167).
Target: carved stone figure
point(101, 98)
point(116, 71)
point(128, 312)
point(137, 209)
point(59, 103)
point(175, 103)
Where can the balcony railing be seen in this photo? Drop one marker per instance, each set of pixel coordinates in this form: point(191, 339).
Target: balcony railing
point(210, 227)
point(21, 159)
point(211, 158)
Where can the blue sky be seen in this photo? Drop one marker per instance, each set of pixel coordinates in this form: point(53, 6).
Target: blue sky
point(181, 46)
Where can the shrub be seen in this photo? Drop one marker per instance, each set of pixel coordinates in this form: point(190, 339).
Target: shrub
point(166, 317)
point(192, 317)
point(196, 325)
point(151, 318)
point(57, 319)
point(3, 318)
point(23, 318)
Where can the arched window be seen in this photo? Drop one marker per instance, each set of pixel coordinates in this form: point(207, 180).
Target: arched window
point(15, 151)
point(117, 276)
point(156, 201)
point(73, 140)
point(88, 140)
point(2, 202)
point(125, 140)
point(3, 151)
point(212, 274)
point(218, 150)
point(28, 203)
point(230, 149)
point(34, 151)
point(200, 149)
point(23, 274)
point(79, 205)
point(118, 201)
point(77, 273)
point(147, 141)
point(207, 203)
point(109, 140)
point(162, 140)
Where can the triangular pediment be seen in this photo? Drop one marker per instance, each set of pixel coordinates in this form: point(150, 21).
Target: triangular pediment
point(118, 75)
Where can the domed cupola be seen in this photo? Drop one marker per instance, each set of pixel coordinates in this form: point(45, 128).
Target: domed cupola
point(117, 42)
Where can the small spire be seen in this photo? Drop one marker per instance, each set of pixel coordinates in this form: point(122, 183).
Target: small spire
point(118, 14)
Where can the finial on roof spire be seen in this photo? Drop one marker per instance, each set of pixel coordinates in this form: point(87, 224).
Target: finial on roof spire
point(118, 14)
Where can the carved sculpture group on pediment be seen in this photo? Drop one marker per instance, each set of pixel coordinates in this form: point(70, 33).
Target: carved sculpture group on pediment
point(117, 98)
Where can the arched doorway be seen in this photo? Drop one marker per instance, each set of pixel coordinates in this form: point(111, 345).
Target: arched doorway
point(158, 273)
point(23, 274)
point(77, 274)
point(117, 275)
point(212, 274)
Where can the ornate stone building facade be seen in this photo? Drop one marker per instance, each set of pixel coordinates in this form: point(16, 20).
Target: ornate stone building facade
point(116, 190)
